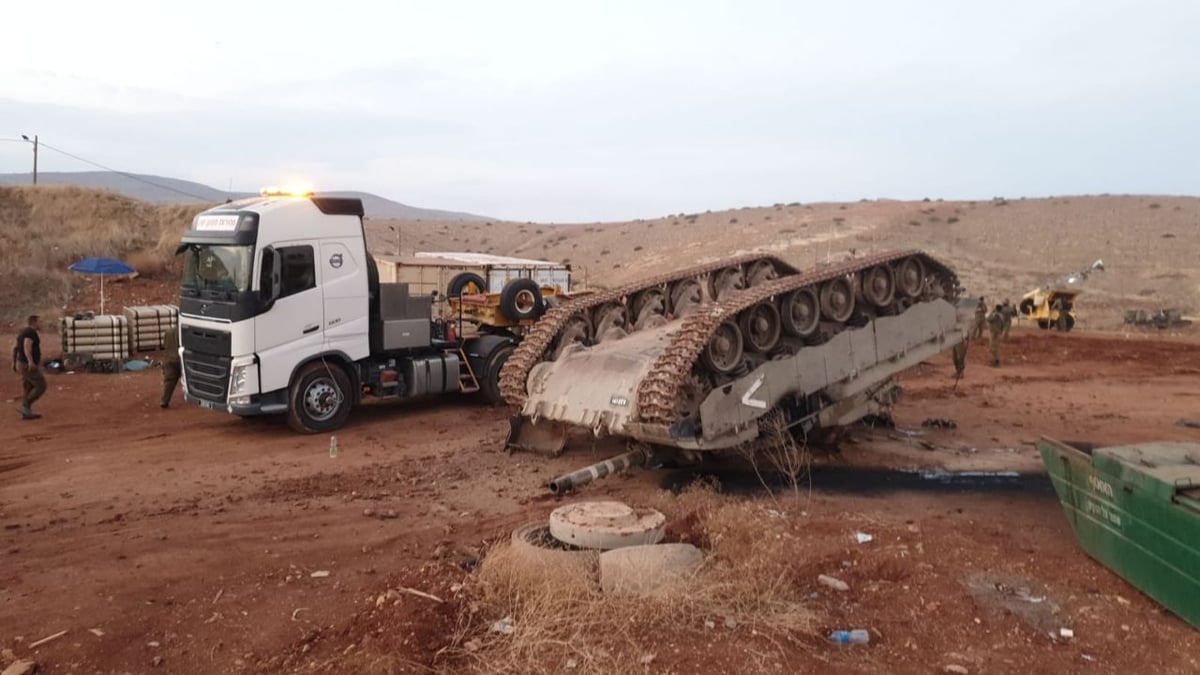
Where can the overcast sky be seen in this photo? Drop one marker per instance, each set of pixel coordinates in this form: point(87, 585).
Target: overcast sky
point(570, 110)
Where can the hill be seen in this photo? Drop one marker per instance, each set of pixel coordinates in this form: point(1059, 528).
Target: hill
point(163, 190)
point(1000, 247)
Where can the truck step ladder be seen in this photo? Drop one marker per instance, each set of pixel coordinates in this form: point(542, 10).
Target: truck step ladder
point(467, 382)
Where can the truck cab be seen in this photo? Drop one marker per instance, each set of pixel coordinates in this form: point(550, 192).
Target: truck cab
point(281, 311)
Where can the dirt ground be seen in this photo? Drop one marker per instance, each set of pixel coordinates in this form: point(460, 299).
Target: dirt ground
point(187, 541)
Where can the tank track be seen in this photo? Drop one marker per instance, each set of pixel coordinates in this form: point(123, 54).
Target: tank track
point(659, 392)
point(539, 339)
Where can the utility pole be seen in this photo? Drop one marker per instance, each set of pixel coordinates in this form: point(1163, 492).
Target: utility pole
point(35, 151)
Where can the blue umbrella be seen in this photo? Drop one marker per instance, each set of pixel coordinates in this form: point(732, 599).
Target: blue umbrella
point(102, 266)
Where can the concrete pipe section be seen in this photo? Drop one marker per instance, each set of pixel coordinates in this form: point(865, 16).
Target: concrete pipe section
point(606, 525)
point(639, 571)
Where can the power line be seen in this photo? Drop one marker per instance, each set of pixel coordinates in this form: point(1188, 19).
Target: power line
point(125, 174)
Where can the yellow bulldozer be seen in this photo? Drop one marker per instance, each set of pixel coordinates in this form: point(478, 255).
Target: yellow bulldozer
point(1052, 305)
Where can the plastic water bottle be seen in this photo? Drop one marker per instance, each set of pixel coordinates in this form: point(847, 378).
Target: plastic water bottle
point(333, 446)
point(857, 636)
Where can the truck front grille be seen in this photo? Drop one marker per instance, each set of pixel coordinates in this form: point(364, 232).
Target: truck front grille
point(207, 375)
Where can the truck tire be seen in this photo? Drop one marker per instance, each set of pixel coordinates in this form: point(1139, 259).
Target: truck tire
point(460, 283)
point(521, 300)
point(319, 398)
point(489, 379)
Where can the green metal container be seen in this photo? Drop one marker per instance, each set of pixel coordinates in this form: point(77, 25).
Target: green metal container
point(1136, 509)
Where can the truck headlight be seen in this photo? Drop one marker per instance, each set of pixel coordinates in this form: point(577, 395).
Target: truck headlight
point(243, 381)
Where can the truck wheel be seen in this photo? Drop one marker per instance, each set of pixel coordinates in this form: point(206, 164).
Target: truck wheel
point(489, 385)
point(319, 399)
point(461, 284)
point(521, 300)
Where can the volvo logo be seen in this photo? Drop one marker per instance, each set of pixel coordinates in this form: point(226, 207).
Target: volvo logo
point(335, 260)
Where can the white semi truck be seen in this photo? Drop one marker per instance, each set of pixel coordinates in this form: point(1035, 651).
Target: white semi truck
point(281, 311)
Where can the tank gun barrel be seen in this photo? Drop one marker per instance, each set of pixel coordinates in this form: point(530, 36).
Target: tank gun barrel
point(587, 474)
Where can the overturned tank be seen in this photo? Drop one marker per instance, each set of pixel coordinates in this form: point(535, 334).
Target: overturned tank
point(696, 360)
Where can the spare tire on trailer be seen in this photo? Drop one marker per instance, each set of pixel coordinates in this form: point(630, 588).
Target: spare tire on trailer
point(461, 283)
point(521, 300)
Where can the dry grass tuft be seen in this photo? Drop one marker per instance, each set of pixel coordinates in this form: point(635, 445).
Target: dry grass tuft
point(561, 624)
point(44, 229)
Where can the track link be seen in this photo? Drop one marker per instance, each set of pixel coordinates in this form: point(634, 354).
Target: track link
point(533, 348)
point(660, 390)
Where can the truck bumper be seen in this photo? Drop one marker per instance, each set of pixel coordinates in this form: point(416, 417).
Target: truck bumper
point(260, 404)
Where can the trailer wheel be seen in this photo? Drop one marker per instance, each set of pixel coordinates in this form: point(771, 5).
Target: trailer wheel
point(319, 399)
point(489, 384)
point(466, 283)
point(521, 300)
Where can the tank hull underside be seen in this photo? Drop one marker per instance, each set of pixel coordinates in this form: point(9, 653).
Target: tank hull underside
point(817, 346)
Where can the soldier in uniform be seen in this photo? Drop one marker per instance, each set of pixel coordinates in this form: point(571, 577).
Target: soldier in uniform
point(960, 359)
point(1010, 313)
point(27, 361)
point(980, 321)
point(171, 368)
point(995, 323)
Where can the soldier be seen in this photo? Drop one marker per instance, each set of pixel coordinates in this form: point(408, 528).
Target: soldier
point(996, 328)
point(171, 369)
point(27, 360)
point(960, 360)
point(980, 320)
point(1010, 313)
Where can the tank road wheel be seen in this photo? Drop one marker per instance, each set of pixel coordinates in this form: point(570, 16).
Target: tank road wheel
point(686, 297)
point(611, 321)
point(725, 281)
point(319, 398)
point(465, 284)
point(649, 308)
point(837, 299)
point(521, 300)
point(723, 353)
point(761, 271)
point(760, 327)
point(878, 285)
point(801, 312)
point(910, 277)
point(577, 330)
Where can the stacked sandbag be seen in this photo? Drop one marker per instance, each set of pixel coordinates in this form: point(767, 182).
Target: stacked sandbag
point(147, 324)
point(100, 337)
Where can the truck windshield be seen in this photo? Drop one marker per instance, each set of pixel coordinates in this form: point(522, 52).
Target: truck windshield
point(217, 272)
